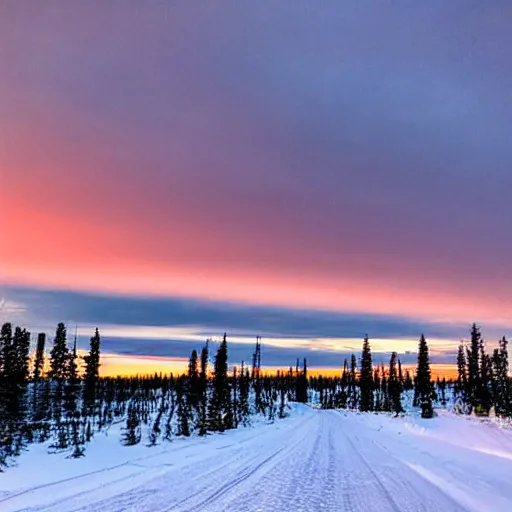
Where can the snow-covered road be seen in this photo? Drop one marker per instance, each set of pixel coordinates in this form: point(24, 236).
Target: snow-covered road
point(312, 461)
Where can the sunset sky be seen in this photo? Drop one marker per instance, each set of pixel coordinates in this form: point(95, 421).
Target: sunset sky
point(304, 171)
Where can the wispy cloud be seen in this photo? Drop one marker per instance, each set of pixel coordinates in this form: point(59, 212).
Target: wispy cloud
point(173, 327)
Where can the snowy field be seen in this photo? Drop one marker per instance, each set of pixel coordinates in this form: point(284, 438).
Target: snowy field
point(313, 460)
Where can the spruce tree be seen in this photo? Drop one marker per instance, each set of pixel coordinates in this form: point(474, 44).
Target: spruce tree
point(342, 397)
point(92, 366)
point(203, 392)
point(183, 408)
point(19, 371)
point(423, 380)
point(366, 377)
point(462, 384)
point(220, 406)
point(72, 363)
point(21, 349)
point(8, 355)
point(13, 387)
point(78, 448)
point(172, 407)
point(501, 379)
point(194, 381)
point(71, 394)
point(37, 392)
point(301, 385)
point(408, 383)
point(156, 430)
point(378, 402)
point(39, 358)
point(484, 392)
point(59, 355)
point(132, 433)
point(352, 393)
point(234, 386)
point(473, 363)
point(244, 395)
point(386, 401)
point(282, 392)
point(6, 332)
point(442, 389)
point(394, 384)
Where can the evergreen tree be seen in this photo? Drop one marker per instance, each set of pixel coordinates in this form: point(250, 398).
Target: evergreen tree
point(170, 416)
point(301, 391)
point(462, 383)
point(423, 380)
point(194, 381)
point(234, 386)
point(342, 398)
point(352, 393)
point(7, 350)
point(20, 355)
point(8, 356)
point(408, 383)
point(473, 362)
point(220, 406)
point(244, 395)
point(13, 387)
point(282, 392)
point(203, 395)
point(156, 430)
point(59, 356)
point(485, 386)
point(183, 408)
point(88, 432)
point(78, 448)
point(365, 379)
point(19, 372)
point(72, 364)
point(378, 405)
point(442, 390)
point(5, 336)
point(132, 433)
point(39, 359)
point(386, 401)
point(501, 379)
point(394, 384)
point(71, 394)
point(92, 366)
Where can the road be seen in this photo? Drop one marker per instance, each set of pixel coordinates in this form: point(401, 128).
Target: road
point(317, 461)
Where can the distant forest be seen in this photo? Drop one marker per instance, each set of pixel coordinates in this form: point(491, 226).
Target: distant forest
point(62, 400)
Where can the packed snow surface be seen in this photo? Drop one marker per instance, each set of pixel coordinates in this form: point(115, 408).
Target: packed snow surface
point(313, 460)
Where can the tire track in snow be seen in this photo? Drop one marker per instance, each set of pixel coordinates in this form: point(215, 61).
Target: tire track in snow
point(376, 477)
point(222, 493)
point(88, 490)
point(230, 485)
point(188, 480)
point(393, 476)
point(109, 469)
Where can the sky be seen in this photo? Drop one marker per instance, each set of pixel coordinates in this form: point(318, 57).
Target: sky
point(305, 171)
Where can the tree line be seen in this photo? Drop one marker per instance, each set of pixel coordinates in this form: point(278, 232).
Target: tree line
point(62, 400)
point(483, 382)
point(55, 401)
point(483, 379)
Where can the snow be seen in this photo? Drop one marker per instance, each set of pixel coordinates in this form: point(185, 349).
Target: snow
point(314, 460)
